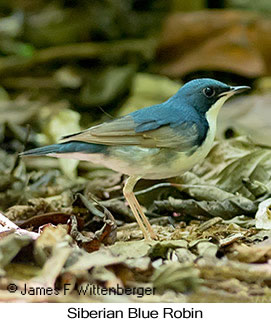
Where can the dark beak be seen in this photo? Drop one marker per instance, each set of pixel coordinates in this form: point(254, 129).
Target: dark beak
point(239, 89)
point(235, 89)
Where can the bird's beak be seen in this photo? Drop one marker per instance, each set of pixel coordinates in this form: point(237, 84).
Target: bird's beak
point(234, 90)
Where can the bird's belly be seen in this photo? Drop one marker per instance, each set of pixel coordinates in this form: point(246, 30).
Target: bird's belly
point(178, 163)
point(154, 163)
point(149, 163)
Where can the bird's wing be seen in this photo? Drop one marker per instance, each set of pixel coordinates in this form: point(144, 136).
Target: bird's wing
point(150, 133)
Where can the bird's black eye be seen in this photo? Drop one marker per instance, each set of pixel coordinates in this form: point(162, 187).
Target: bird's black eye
point(209, 92)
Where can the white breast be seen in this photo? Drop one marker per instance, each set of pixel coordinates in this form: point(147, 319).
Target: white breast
point(184, 162)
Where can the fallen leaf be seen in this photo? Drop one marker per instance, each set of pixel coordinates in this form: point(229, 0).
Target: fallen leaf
point(247, 115)
point(161, 249)
point(131, 249)
point(103, 87)
point(54, 218)
point(178, 277)
point(219, 40)
point(7, 226)
point(251, 254)
point(63, 121)
point(225, 209)
point(51, 237)
point(148, 89)
point(10, 247)
point(91, 241)
point(86, 261)
point(263, 215)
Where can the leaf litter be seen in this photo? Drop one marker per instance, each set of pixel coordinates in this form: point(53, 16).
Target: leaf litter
point(66, 223)
point(81, 232)
point(209, 244)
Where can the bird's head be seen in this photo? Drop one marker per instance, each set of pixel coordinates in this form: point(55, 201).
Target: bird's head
point(207, 94)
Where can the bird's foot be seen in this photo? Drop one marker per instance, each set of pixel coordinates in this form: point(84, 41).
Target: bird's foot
point(151, 236)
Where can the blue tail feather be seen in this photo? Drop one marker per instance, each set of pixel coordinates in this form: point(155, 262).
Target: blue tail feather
point(67, 147)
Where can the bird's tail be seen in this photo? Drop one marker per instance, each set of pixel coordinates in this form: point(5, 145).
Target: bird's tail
point(52, 149)
point(65, 148)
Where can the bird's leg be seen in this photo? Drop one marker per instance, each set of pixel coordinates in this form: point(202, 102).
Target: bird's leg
point(136, 208)
point(128, 193)
point(144, 218)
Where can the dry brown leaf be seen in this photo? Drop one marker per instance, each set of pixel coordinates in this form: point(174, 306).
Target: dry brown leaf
point(215, 40)
point(251, 254)
point(247, 115)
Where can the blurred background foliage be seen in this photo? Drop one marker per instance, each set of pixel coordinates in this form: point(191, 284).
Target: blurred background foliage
point(66, 65)
point(87, 55)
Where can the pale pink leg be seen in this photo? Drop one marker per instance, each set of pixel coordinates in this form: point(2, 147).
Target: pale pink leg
point(136, 208)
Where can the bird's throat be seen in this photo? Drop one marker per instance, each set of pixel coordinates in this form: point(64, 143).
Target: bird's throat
point(212, 113)
point(211, 116)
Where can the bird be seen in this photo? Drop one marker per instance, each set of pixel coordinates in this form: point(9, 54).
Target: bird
point(156, 142)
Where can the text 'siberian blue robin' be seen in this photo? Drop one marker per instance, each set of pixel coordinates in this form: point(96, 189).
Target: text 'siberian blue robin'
point(155, 142)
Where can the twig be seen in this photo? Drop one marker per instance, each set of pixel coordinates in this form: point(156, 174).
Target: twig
point(145, 47)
